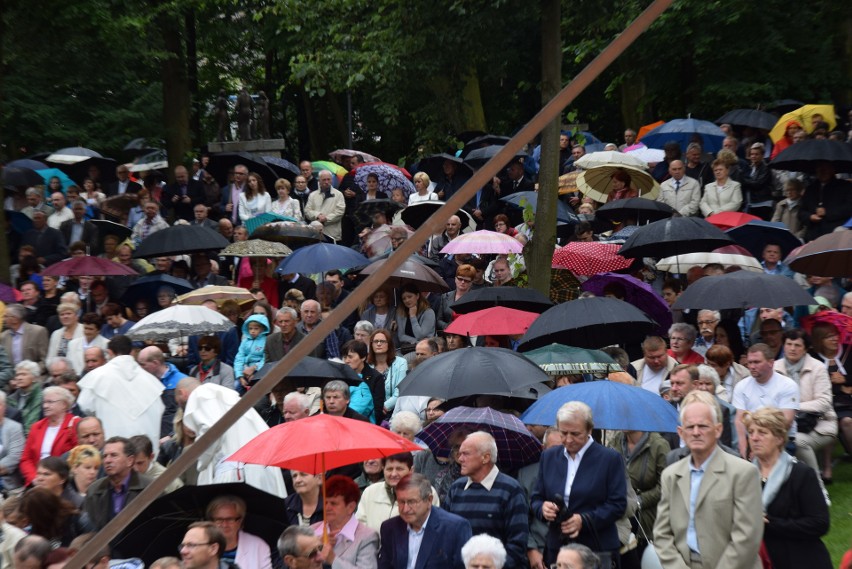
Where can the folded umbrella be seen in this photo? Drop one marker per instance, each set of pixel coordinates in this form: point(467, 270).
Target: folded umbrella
point(319, 258)
point(495, 321)
point(582, 258)
point(483, 242)
point(557, 359)
point(827, 256)
point(526, 299)
point(756, 235)
point(637, 293)
point(180, 240)
point(743, 289)
point(674, 236)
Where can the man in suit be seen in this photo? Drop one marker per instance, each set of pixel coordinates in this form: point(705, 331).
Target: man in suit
point(354, 546)
point(231, 194)
point(100, 504)
point(22, 340)
point(680, 191)
point(183, 195)
point(710, 513)
point(582, 487)
point(48, 242)
point(78, 228)
point(420, 527)
point(123, 185)
point(280, 342)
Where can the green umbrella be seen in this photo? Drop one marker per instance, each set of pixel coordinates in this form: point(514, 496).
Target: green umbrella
point(559, 359)
point(264, 218)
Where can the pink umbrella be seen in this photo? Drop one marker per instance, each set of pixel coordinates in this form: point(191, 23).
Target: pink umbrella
point(483, 242)
point(88, 266)
point(590, 258)
point(495, 321)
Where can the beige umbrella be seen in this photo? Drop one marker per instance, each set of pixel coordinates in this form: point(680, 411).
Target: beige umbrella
point(609, 158)
point(218, 294)
point(256, 248)
point(568, 183)
point(597, 182)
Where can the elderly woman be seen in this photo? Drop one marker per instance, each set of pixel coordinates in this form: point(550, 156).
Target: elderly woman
point(210, 368)
point(91, 324)
point(26, 395)
point(794, 504)
point(392, 367)
point(682, 338)
point(85, 462)
point(285, 205)
point(304, 506)
point(709, 382)
point(379, 311)
point(71, 329)
point(53, 474)
point(723, 194)
point(165, 296)
point(815, 400)
point(247, 550)
point(464, 281)
point(368, 398)
point(11, 447)
point(407, 424)
point(58, 426)
point(359, 547)
point(621, 189)
point(362, 331)
point(414, 319)
point(483, 552)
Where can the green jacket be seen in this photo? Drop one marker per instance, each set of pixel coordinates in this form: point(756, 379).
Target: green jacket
point(31, 409)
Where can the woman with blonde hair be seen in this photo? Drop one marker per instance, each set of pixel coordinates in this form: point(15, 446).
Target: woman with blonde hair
point(85, 462)
point(423, 194)
point(285, 205)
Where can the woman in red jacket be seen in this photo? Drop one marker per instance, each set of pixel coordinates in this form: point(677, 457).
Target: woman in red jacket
point(54, 435)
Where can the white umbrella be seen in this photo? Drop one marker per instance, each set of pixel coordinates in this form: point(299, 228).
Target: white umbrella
point(649, 155)
point(609, 158)
point(178, 321)
point(682, 263)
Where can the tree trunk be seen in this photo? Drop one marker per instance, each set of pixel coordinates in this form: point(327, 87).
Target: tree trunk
point(539, 254)
point(4, 238)
point(176, 102)
point(192, 77)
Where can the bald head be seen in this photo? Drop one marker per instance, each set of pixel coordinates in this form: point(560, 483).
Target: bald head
point(184, 389)
point(677, 169)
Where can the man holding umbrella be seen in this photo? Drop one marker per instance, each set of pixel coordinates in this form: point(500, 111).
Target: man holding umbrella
point(826, 205)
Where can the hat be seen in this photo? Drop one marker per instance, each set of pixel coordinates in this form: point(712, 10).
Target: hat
point(665, 386)
point(821, 302)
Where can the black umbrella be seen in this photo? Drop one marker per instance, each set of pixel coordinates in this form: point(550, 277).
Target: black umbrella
point(589, 323)
point(363, 214)
point(472, 371)
point(641, 209)
point(755, 235)
point(781, 106)
point(107, 227)
point(314, 372)
point(416, 214)
point(284, 168)
point(147, 287)
point(743, 289)
point(79, 171)
point(415, 257)
point(140, 146)
point(805, 155)
point(180, 240)
point(27, 163)
point(674, 236)
point(159, 529)
point(290, 234)
point(527, 299)
point(434, 166)
point(483, 141)
point(19, 176)
point(223, 161)
point(477, 158)
point(426, 279)
point(749, 117)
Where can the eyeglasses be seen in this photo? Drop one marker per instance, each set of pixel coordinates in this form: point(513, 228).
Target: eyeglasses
point(408, 503)
point(380, 341)
point(189, 545)
point(205, 348)
point(313, 553)
point(234, 520)
point(464, 280)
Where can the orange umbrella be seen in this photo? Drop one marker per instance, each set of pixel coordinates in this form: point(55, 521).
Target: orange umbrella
point(648, 128)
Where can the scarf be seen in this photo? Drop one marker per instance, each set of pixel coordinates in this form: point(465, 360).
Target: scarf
point(837, 360)
point(794, 370)
point(777, 478)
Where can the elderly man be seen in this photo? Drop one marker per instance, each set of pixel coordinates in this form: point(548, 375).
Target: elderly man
point(93, 358)
point(682, 339)
point(846, 304)
point(629, 139)
point(201, 217)
point(152, 360)
point(90, 431)
point(707, 322)
point(692, 529)
point(300, 548)
point(123, 184)
point(48, 242)
point(582, 487)
point(655, 365)
point(452, 229)
point(78, 228)
point(491, 501)
point(680, 191)
point(335, 397)
point(107, 496)
point(151, 223)
point(765, 388)
point(126, 398)
point(420, 527)
point(280, 342)
point(296, 406)
point(576, 556)
point(327, 205)
point(772, 264)
point(311, 317)
point(202, 547)
point(203, 405)
point(35, 202)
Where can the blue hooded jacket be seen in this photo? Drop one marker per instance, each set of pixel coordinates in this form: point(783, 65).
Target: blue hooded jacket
point(250, 352)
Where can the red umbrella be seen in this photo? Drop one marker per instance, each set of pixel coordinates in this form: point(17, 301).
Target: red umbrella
point(730, 219)
point(590, 258)
point(88, 266)
point(495, 321)
point(842, 322)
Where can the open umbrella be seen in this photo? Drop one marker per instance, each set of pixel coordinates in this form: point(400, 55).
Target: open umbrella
point(674, 236)
point(256, 248)
point(609, 158)
point(730, 219)
point(827, 256)
point(159, 529)
point(335, 169)
point(390, 177)
point(495, 321)
point(755, 235)
point(79, 171)
point(282, 168)
point(841, 321)
point(568, 183)
point(314, 372)
point(640, 209)
point(684, 131)
point(645, 129)
point(27, 163)
point(434, 166)
point(264, 218)
point(520, 199)
point(784, 105)
point(19, 176)
point(729, 256)
point(596, 183)
point(476, 159)
point(179, 321)
point(526, 299)
point(294, 235)
point(378, 241)
point(119, 206)
point(48, 173)
point(87, 265)
point(614, 406)
point(146, 288)
point(221, 162)
point(218, 294)
point(156, 160)
point(804, 115)
point(589, 323)
point(180, 240)
point(804, 156)
point(107, 227)
point(582, 258)
point(483, 242)
point(748, 117)
point(557, 359)
point(482, 141)
point(743, 289)
point(471, 371)
point(340, 153)
point(17, 221)
point(416, 214)
point(72, 155)
point(645, 154)
point(319, 258)
point(637, 293)
point(363, 214)
point(9, 295)
point(409, 271)
point(516, 447)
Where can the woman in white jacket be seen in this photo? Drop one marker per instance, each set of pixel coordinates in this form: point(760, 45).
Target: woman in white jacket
point(721, 195)
point(255, 199)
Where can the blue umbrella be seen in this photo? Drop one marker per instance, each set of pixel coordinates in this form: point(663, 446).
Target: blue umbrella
point(683, 131)
point(563, 214)
point(48, 173)
point(755, 235)
point(27, 163)
point(320, 258)
point(614, 406)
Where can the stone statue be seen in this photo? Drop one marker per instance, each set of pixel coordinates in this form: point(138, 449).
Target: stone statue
point(220, 113)
point(244, 114)
point(263, 115)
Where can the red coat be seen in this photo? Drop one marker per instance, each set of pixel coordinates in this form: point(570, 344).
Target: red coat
point(65, 440)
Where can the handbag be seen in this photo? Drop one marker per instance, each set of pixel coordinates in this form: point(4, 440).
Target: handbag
point(806, 421)
point(606, 559)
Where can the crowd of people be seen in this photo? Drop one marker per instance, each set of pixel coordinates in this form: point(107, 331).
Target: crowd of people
point(89, 416)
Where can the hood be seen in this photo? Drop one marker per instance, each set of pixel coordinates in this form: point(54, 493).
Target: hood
point(260, 319)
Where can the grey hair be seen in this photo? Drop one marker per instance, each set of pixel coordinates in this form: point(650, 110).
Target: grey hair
point(58, 359)
point(694, 146)
point(70, 297)
point(2, 397)
point(485, 444)
point(33, 192)
point(364, 325)
point(337, 385)
point(17, 310)
point(587, 556)
point(707, 372)
point(701, 398)
point(715, 313)
point(415, 481)
point(303, 399)
point(406, 420)
point(687, 330)
point(575, 410)
point(59, 392)
point(289, 310)
point(484, 544)
point(29, 366)
point(288, 543)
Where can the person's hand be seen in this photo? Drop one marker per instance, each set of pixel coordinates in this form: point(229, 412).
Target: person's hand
point(174, 198)
point(477, 213)
point(186, 199)
point(574, 201)
point(229, 207)
point(412, 311)
point(820, 211)
point(441, 195)
point(495, 183)
point(322, 218)
point(328, 552)
point(244, 383)
point(248, 371)
point(348, 193)
point(837, 377)
point(572, 526)
point(549, 510)
point(535, 558)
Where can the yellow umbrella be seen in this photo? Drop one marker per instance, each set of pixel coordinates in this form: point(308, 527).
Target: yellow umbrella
point(804, 116)
point(597, 182)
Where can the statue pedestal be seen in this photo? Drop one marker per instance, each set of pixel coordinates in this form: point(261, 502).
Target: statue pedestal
point(264, 147)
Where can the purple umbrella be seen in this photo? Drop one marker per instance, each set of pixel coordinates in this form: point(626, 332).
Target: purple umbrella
point(637, 293)
point(516, 447)
point(8, 294)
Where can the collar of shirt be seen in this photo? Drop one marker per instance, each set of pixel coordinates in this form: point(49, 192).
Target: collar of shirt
point(488, 481)
point(422, 528)
point(581, 452)
point(704, 464)
point(348, 530)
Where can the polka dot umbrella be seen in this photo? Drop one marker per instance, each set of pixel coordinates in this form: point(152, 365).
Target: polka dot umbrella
point(590, 258)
